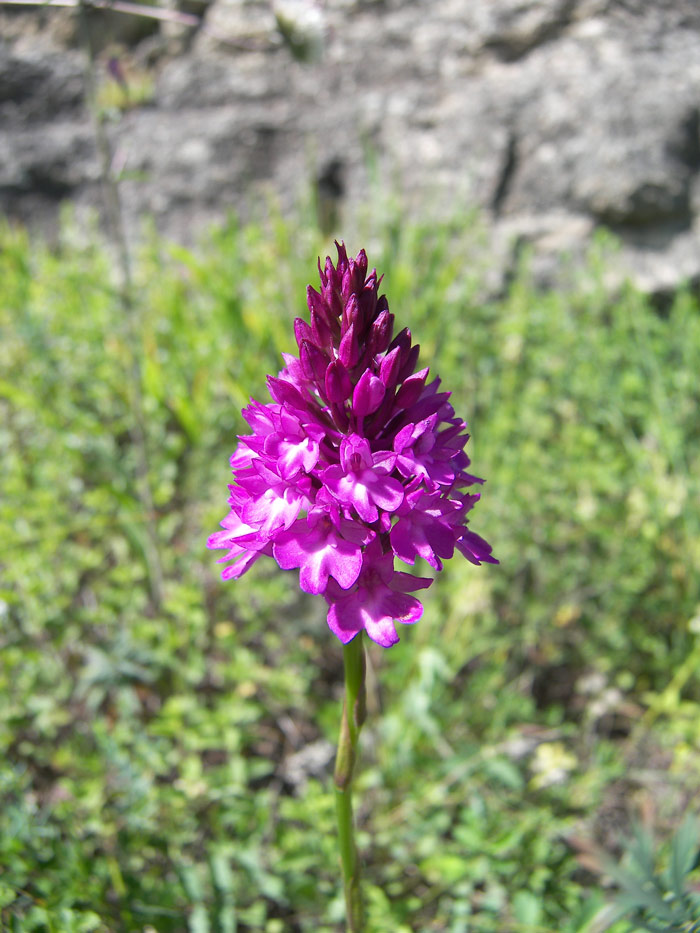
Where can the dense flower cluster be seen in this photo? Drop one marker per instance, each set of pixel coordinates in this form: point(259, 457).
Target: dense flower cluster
point(357, 460)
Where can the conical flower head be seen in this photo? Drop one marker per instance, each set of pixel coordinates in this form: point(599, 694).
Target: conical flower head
point(357, 460)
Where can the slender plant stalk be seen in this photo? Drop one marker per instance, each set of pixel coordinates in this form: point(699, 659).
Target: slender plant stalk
point(351, 723)
point(115, 221)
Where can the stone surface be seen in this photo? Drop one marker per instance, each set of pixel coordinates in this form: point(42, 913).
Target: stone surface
point(551, 116)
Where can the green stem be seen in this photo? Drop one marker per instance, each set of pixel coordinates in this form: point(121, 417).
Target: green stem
point(351, 723)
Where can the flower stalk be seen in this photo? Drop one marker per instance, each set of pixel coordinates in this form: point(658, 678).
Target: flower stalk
point(350, 726)
point(356, 462)
point(129, 312)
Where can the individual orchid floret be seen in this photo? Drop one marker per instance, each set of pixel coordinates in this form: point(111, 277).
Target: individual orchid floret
point(426, 528)
point(322, 545)
point(362, 479)
point(357, 461)
point(379, 599)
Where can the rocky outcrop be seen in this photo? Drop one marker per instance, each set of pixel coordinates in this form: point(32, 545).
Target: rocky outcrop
point(552, 116)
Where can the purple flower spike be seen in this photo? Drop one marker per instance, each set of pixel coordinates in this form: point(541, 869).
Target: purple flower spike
point(356, 461)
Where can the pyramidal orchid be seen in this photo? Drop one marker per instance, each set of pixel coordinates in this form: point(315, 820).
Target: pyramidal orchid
point(357, 460)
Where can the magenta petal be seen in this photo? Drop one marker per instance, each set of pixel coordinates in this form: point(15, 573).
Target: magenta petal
point(441, 539)
point(244, 563)
point(337, 558)
point(219, 539)
point(344, 621)
point(475, 549)
point(362, 610)
point(272, 510)
point(287, 550)
point(402, 608)
point(382, 631)
point(356, 493)
point(351, 491)
point(352, 531)
point(355, 453)
point(296, 455)
point(319, 552)
point(440, 472)
point(302, 332)
point(259, 417)
point(344, 562)
point(234, 531)
point(332, 476)
point(385, 491)
point(404, 437)
point(406, 541)
point(314, 572)
point(423, 535)
point(407, 582)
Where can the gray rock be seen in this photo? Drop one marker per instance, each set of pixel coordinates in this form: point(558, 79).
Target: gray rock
point(35, 87)
point(552, 116)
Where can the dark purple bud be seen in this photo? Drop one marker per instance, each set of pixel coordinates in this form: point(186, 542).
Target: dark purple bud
point(330, 289)
point(116, 69)
point(429, 405)
point(313, 362)
point(302, 332)
point(367, 301)
point(358, 268)
point(410, 391)
point(368, 394)
point(342, 255)
point(450, 434)
point(332, 299)
point(321, 332)
point(389, 368)
point(349, 351)
point(340, 418)
point(331, 273)
point(337, 382)
point(403, 341)
point(347, 288)
point(284, 393)
point(349, 314)
point(324, 323)
point(409, 363)
point(380, 332)
point(382, 416)
point(316, 304)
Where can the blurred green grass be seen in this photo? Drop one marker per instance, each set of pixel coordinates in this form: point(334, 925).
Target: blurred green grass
point(149, 778)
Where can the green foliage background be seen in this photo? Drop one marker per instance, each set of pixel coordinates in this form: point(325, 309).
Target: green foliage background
point(147, 778)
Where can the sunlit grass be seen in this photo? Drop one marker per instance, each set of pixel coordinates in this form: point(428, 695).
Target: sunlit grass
point(144, 751)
